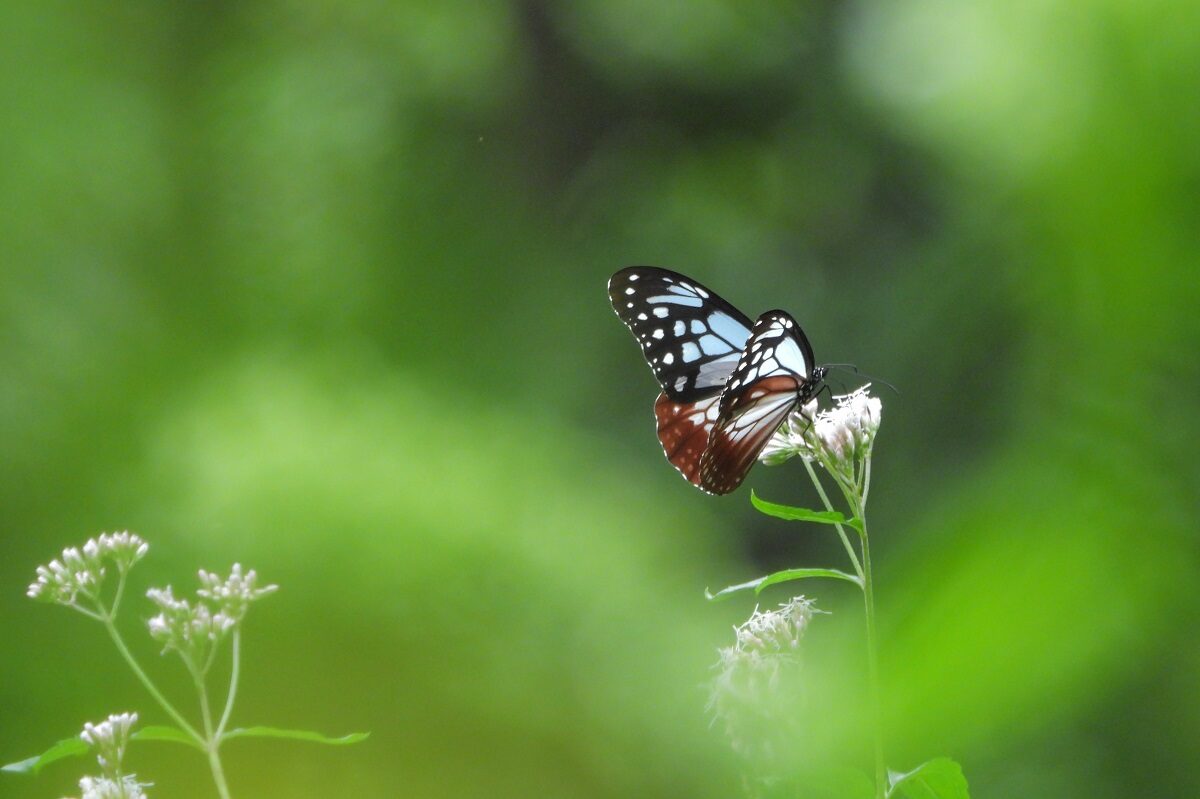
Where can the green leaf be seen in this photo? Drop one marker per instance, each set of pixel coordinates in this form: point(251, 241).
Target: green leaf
point(940, 778)
point(784, 576)
point(170, 734)
point(801, 514)
point(299, 735)
point(73, 747)
point(68, 747)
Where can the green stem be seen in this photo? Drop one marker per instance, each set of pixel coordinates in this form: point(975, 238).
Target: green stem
point(107, 619)
point(858, 569)
point(116, 604)
point(212, 741)
point(214, 763)
point(873, 664)
point(866, 482)
point(233, 683)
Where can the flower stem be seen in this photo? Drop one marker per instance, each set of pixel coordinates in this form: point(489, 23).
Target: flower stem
point(233, 683)
point(858, 569)
point(873, 665)
point(119, 642)
point(212, 742)
point(214, 763)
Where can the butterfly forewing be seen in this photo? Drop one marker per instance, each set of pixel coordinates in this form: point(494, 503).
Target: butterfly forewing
point(774, 374)
point(691, 338)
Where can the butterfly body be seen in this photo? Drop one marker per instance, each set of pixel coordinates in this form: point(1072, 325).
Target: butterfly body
point(727, 383)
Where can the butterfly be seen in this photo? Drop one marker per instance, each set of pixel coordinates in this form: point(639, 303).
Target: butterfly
point(727, 383)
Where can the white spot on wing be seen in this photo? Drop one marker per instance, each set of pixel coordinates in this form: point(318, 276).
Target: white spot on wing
point(660, 312)
point(690, 352)
point(680, 327)
point(629, 290)
point(658, 332)
point(669, 358)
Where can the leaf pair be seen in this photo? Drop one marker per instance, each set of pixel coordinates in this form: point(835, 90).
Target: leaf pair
point(787, 575)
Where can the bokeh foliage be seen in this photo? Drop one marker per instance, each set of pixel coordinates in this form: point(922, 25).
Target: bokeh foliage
point(319, 288)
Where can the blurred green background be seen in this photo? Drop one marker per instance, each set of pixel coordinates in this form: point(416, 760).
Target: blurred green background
point(319, 288)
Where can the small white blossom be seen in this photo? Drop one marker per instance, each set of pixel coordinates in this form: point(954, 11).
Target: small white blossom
point(842, 434)
point(82, 569)
point(109, 739)
point(234, 594)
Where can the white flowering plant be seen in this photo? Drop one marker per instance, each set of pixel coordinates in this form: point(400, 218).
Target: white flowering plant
point(91, 580)
point(754, 695)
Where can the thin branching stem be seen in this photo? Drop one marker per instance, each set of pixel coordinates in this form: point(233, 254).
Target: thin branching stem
point(854, 488)
point(89, 613)
point(233, 683)
point(212, 741)
point(873, 662)
point(866, 483)
point(116, 603)
point(858, 569)
point(149, 685)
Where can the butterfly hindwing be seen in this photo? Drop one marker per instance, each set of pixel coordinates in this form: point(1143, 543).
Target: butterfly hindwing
point(683, 430)
point(739, 436)
point(691, 338)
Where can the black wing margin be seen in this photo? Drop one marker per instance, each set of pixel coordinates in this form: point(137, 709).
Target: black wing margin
point(691, 338)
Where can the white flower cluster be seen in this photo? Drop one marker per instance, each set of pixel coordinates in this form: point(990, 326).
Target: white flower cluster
point(191, 629)
point(774, 632)
point(757, 690)
point(109, 738)
point(82, 569)
point(841, 434)
point(768, 637)
point(235, 593)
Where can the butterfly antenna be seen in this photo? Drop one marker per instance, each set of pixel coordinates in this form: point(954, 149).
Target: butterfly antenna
point(849, 367)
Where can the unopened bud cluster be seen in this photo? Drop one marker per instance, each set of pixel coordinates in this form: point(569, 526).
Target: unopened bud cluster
point(109, 739)
point(235, 593)
point(187, 629)
point(840, 435)
point(191, 629)
point(82, 569)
